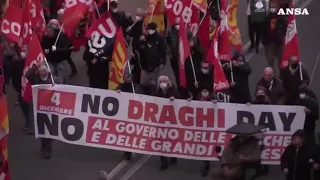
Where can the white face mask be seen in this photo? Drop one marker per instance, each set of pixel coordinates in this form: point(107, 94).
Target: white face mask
point(163, 85)
point(44, 78)
point(23, 55)
point(205, 94)
point(177, 27)
point(150, 31)
point(138, 18)
point(302, 96)
point(205, 70)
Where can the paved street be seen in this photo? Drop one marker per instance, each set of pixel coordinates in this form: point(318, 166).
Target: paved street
point(70, 162)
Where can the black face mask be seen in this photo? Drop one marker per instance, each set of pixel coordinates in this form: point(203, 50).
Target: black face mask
point(260, 97)
point(295, 65)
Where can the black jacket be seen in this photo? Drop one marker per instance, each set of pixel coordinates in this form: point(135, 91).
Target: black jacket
point(17, 71)
point(122, 20)
point(152, 52)
point(197, 57)
point(136, 32)
point(313, 106)
point(291, 83)
point(63, 46)
point(240, 93)
point(297, 162)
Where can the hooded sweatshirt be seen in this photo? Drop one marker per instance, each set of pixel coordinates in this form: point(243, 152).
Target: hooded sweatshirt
point(296, 160)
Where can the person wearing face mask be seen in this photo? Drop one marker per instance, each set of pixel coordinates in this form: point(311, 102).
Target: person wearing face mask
point(26, 107)
point(274, 87)
point(173, 51)
point(197, 58)
point(274, 31)
point(56, 53)
point(40, 74)
point(165, 89)
point(10, 52)
point(136, 29)
point(261, 96)
point(205, 79)
point(240, 91)
point(153, 55)
point(295, 158)
point(306, 99)
point(121, 18)
point(292, 80)
point(205, 95)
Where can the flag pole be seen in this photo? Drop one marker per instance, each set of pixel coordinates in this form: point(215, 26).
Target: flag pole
point(55, 43)
point(190, 6)
point(153, 8)
point(300, 69)
point(193, 70)
point(132, 84)
point(231, 69)
point(97, 9)
point(51, 76)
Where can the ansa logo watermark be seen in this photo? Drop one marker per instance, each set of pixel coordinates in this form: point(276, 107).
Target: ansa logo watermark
point(293, 11)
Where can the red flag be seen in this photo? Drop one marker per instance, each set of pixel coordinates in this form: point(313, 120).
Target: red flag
point(104, 27)
point(220, 81)
point(203, 33)
point(224, 43)
point(26, 30)
point(37, 18)
point(291, 47)
point(182, 9)
point(184, 52)
point(34, 56)
point(11, 23)
point(73, 13)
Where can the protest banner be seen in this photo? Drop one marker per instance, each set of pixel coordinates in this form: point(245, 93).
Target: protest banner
point(155, 126)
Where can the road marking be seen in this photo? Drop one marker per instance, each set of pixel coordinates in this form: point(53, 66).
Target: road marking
point(314, 69)
point(117, 169)
point(136, 167)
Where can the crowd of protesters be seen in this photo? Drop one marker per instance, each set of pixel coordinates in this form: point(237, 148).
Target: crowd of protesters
point(150, 54)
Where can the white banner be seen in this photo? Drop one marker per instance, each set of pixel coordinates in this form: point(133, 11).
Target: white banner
point(155, 126)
